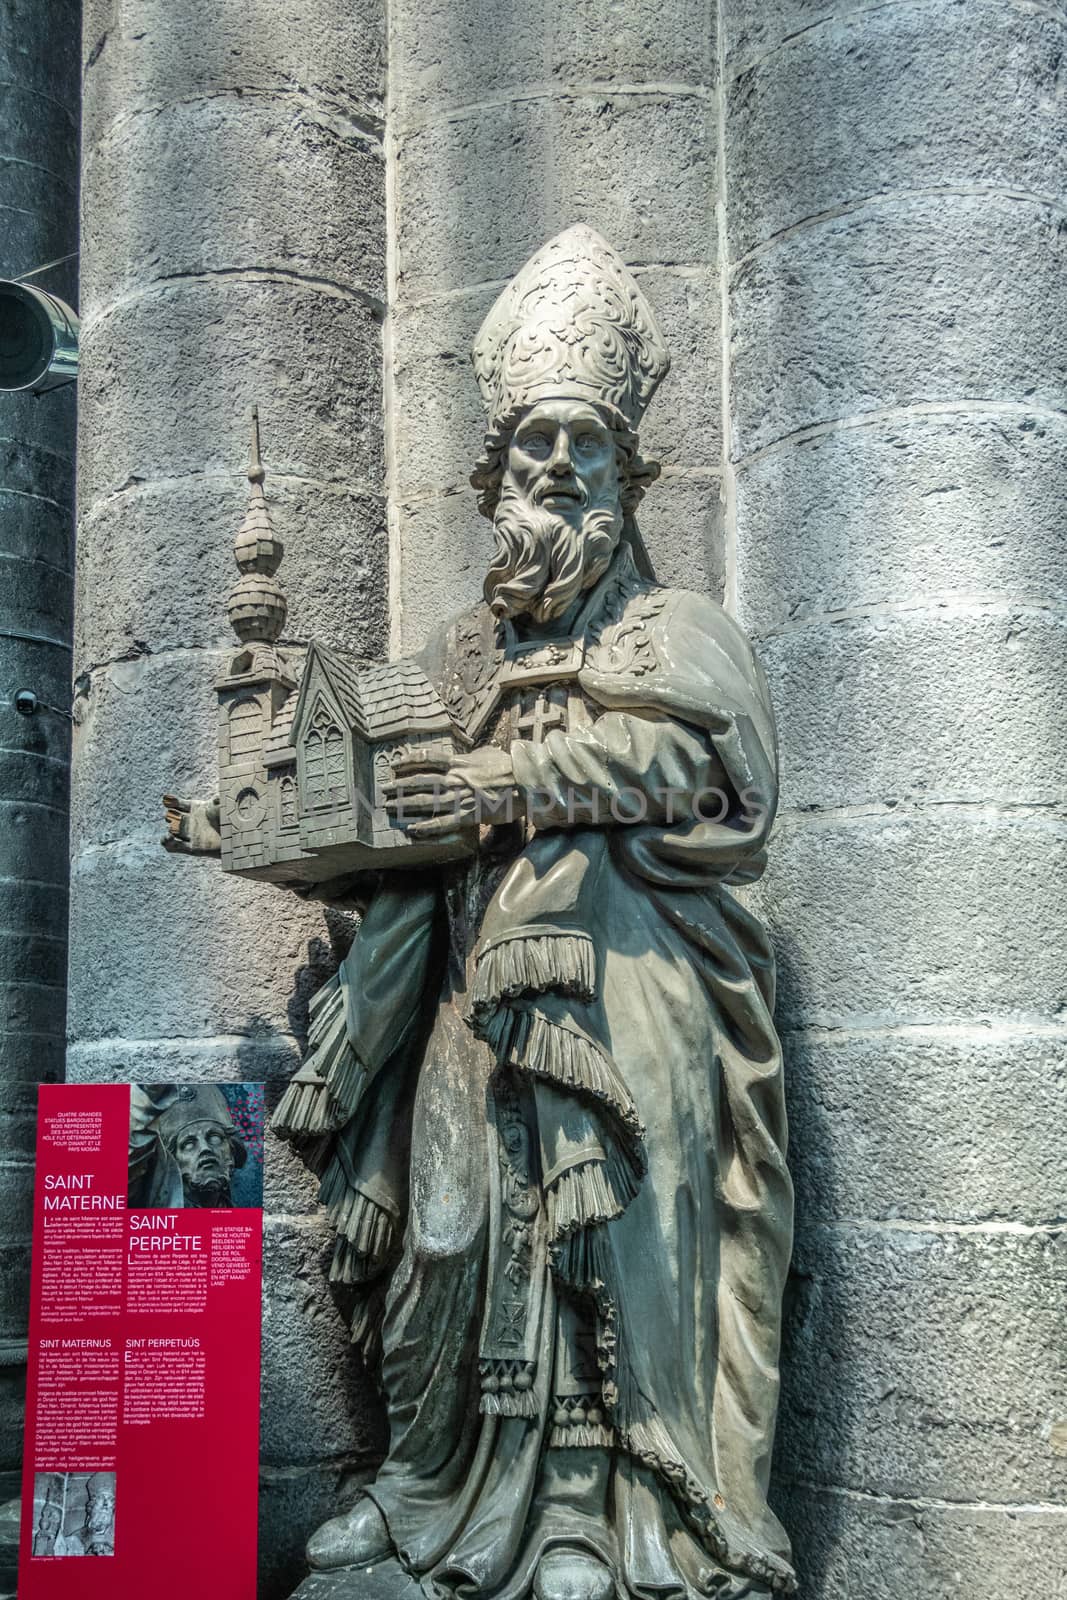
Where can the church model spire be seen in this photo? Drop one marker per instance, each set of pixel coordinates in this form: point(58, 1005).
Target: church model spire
point(256, 605)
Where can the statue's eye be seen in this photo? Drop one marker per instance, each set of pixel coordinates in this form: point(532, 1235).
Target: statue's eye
point(535, 444)
point(587, 441)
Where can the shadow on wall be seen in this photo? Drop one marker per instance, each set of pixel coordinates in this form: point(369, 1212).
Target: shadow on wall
point(312, 1372)
point(808, 1314)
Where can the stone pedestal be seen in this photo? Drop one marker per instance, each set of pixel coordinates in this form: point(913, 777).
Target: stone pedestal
point(385, 1581)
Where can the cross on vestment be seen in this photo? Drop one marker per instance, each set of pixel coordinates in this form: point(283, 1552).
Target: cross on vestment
point(541, 718)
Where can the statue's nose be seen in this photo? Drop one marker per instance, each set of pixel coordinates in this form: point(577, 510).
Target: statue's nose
point(560, 463)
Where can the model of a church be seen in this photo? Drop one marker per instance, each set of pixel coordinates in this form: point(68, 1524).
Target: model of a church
point(305, 746)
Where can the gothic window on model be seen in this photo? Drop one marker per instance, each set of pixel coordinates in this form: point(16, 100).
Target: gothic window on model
point(287, 803)
point(324, 762)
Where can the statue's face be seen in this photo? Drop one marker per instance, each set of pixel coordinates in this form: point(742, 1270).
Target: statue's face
point(205, 1157)
point(101, 1511)
point(562, 459)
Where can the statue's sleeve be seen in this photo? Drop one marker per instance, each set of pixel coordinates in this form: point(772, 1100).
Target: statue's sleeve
point(625, 768)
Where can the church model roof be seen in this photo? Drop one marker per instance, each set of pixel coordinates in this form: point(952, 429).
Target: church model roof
point(379, 700)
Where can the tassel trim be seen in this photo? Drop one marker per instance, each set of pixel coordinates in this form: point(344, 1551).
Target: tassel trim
point(593, 1192)
point(555, 1051)
point(366, 1325)
point(578, 1422)
point(508, 1405)
point(306, 1110)
point(507, 1387)
point(326, 1089)
point(580, 1438)
point(361, 1223)
point(532, 963)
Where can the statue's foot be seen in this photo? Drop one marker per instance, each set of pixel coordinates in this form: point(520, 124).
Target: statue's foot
point(564, 1574)
point(356, 1539)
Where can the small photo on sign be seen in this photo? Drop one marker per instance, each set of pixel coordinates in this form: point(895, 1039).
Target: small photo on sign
point(195, 1145)
point(74, 1514)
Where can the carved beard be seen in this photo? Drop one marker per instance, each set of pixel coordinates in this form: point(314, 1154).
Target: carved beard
point(213, 1191)
point(541, 562)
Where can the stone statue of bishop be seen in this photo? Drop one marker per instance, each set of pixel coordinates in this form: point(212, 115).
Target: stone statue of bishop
point(548, 1073)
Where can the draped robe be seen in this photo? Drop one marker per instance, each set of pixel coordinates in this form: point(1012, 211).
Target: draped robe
point(559, 1176)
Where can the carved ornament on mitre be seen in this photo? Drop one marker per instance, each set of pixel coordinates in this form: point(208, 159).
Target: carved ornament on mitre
point(572, 324)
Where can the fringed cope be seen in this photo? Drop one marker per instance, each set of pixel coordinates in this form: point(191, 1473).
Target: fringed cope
point(527, 962)
point(326, 1089)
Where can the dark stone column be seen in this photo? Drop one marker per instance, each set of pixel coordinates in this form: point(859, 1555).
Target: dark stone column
point(39, 105)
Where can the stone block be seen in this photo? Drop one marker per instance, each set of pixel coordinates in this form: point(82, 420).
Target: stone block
point(39, 214)
point(31, 952)
point(176, 373)
point(333, 55)
point(289, 1186)
point(16, 1197)
point(751, 28)
point(293, 1502)
point(166, 947)
point(46, 59)
point(14, 1315)
point(927, 916)
point(38, 595)
point(928, 1363)
point(147, 727)
point(35, 470)
point(33, 841)
point(445, 545)
point(450, 55)
point(849, 1546)
point(948, 706)
point(481, 192)
point(31, 1011)
point(12, 1405)
point(914, 1124)
point(334, 570)
point(913, 510)
point(683, 426)
point(227, 1058)
point(681, 522)
point(925, 301)
point(35, 750)
point(318, 1401)
point(48, 144)
point(18, 1119)
point(37, 444)
point(227, 184)
point(439, 420)
point(864, 104)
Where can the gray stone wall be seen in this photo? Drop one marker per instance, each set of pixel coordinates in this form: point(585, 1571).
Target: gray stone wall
point(38, 224)
point(233, 252)
point(896, 356)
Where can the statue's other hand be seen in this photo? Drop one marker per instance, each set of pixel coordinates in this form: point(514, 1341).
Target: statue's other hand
point(192, 826)
point(433, 797)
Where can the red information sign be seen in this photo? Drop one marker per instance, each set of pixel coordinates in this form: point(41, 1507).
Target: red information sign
point(142, 1409)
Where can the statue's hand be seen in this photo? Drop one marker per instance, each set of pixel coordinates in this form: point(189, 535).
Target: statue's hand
point(192, 826)
point(432, 797)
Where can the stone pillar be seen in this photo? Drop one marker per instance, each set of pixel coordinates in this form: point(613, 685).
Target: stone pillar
point(38, 224)
point(233, 250)
point(896, 355)
point(507, 125)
